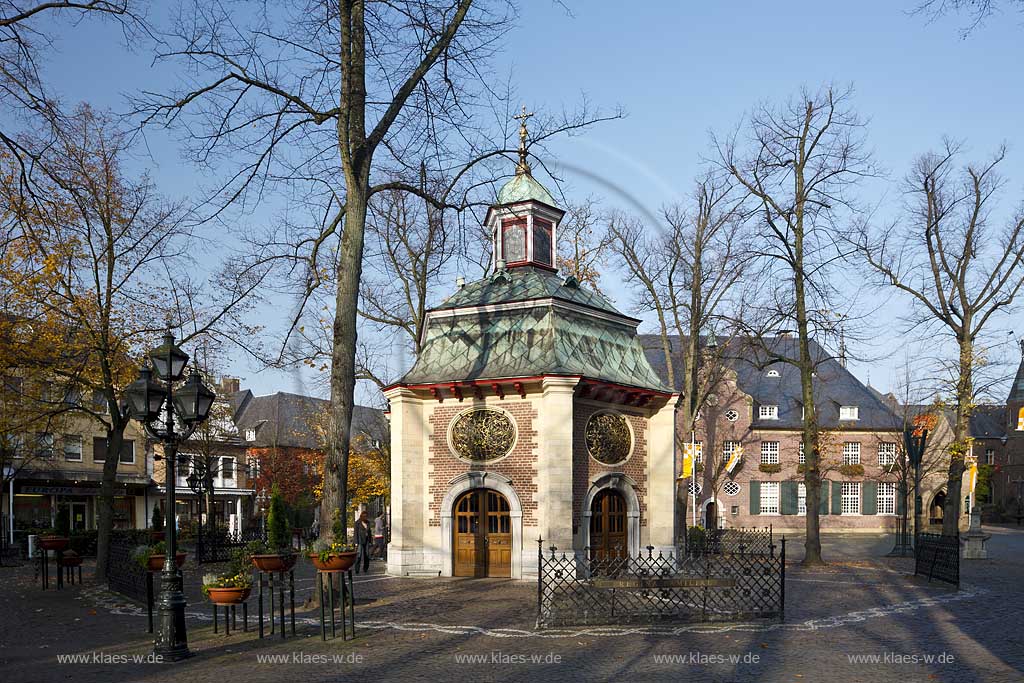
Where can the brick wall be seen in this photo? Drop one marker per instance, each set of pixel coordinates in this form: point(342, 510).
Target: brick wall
point(586, 468)
point(520, 465)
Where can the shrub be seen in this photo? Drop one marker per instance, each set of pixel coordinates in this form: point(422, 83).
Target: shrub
point(63, 522)
point(278, 537)
point(157, 520)
point(770, 468)
point(852, 470)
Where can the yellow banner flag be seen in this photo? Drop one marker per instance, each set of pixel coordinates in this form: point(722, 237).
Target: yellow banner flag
point(972, 477)
point(687, 460)
point(734, 459)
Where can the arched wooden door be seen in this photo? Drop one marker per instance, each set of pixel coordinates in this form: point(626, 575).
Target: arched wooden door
point(935, 510)
point(483, 535)
point(608, 539)
point(711, 515)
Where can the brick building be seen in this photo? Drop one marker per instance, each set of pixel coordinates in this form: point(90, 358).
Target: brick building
point(531, 412)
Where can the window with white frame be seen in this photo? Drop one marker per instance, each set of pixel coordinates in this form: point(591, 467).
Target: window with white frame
point(849, 413)
point(801, 457)
point(73, 447)
point(851, 498)
point(698, 452)
point(732, 415)
point(801, 499)
point(766, 412)
point(695, 488)
point(250, 434)
point(44, 442)
point(227, 468)
point(731, 488)
point(851, 453)
point(769, 497)
point(728, 448)
point(769, 452)
point(887, 453)
point(990, 456)
point(772, 373)
point(887, 498)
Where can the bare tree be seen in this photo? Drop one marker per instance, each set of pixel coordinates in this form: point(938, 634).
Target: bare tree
point(331, 101)
point(582, 245)
point(684, 275)
point(959, 271)
point(799, 162)
point(977, 11)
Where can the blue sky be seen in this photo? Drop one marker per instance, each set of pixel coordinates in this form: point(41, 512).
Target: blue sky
point(680, 70)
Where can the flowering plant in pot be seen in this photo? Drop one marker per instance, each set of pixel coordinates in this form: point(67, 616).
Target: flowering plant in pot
point(336, 555)
point(56, 538)
point(152, 557)
point(279, 556)
point(229, 588)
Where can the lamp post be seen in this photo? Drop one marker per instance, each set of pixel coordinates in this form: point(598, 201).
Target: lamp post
point(914, 439)
point(170, 417)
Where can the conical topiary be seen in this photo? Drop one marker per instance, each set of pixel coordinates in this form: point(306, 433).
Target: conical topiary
point(277, 523)
point(157, 520)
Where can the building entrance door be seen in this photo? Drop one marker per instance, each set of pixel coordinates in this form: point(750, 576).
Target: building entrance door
point(608, 538)
point(483, 535)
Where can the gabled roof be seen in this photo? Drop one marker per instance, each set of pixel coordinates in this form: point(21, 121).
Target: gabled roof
point(834, 385)
point(289, 420)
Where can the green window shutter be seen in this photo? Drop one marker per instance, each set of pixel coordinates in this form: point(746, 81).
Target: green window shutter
point(789, 494)
point(837, 498)
point(823, 502)
point(869, 498)
point(901, 502)
point(755, 497)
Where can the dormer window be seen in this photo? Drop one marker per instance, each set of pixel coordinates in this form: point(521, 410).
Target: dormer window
point(542, 242)
point(772, 373)
point(849, 413)
point(768, 412)
point(250, 434)
point(513, 241)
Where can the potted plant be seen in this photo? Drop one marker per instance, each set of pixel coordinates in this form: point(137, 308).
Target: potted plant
point(280, 557)
point(228, 588)
point(156, 534)
point(336, 555)
point(56, 538)
point(152, 557)
point(71, 558)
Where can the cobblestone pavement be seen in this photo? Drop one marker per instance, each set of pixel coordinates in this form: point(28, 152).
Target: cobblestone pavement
point(482, 630)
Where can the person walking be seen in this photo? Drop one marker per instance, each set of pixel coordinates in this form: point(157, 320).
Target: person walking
point(378, 537)
point(363, 537)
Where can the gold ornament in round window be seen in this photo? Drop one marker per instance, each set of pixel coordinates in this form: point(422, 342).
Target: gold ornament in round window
point(482, 434)
point(608, 438)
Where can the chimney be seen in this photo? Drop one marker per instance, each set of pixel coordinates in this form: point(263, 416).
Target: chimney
point(229, 385)
point(460, 282)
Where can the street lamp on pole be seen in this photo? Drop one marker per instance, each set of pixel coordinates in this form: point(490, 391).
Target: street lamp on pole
point(170, 416)
point(914, 439)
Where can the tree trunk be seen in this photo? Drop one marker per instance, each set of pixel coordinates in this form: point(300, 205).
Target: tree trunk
point(105, 501)
point(960, 447)
point(343, 358)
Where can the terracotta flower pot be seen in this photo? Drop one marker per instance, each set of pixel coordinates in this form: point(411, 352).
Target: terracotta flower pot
point(334, 563)
point(274, 562)
point(156, 562)
point(157, 536)
point(53, 542)
point(71, 559)
point(228, 596)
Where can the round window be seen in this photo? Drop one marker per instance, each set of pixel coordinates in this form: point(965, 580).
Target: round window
point(695, 488)
point(482, 434)
point(732, 415)
point(608, 438)
point(731, 488)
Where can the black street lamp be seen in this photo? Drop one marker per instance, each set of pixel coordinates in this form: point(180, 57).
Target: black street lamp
point(170, 417)
point(914, 439)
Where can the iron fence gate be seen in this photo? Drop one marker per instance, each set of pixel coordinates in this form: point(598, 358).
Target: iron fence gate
point(699, 582)
point(938, 557)
point(218, 546)
point(125, 574)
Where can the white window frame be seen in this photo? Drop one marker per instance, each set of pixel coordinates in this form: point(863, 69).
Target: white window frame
point(801, 457)
point(732, 415)
point(46, 443)
point(801, 499)
point(849, 413)
point(887, 453)
point(250, 434)
point(226, 472)
point(70, 439)
point(769, 452)
point(990, 456)
point(768, 412)
point(772, 373)
point(851, 452)
point(766, 500)
point(698, 452)
point(850, 498)
point(887, 498)
point(735, 488)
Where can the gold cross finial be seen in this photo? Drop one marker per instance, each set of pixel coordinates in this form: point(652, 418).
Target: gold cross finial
point(522, 167)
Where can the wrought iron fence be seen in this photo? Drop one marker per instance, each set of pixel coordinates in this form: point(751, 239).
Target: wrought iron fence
point(124, 572)
point(218, 546)
point(730, 541)
point(681, 586)
point(938, 557)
